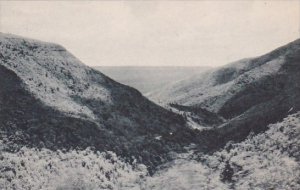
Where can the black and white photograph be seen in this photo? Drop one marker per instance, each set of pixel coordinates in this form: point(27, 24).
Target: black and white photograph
point(150, 95)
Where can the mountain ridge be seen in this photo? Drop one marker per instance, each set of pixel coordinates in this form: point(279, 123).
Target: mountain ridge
point(249, 94)
point(61, 103)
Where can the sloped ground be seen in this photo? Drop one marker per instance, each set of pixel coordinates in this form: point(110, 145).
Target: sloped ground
point(53, 170)
point(43, 141)
point(267, 100)
point(270, 160)
point(50, 99)
point(216, 87)
point(248, 94)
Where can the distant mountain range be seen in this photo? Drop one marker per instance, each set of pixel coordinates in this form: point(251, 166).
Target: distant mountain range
point(148, 79)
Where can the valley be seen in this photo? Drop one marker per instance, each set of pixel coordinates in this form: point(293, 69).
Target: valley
point(74, 126)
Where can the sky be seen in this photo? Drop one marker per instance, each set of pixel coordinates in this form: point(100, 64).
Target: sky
point(156, 33)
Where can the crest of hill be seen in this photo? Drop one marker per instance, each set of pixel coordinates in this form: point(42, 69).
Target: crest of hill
point(249, 94)
point(48, 98)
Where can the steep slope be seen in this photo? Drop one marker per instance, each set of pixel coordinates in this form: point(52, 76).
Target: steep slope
point(249, 94)
point(50, 99)
point(270, 160)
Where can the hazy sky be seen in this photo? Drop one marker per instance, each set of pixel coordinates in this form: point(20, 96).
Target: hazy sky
point(183, 33)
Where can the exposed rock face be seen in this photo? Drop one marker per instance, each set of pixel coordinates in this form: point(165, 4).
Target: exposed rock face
point(249, 94)
point(50, 99)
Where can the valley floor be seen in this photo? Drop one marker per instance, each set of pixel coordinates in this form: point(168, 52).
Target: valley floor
point(270, 160)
